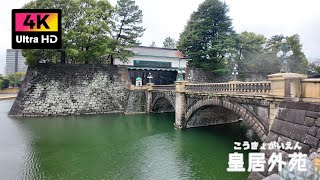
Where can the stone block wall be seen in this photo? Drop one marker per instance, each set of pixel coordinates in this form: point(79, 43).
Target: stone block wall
point(212, 115)
point(259, 109)
point(137, 102)
point(163, 106)
point(299, 122)
point(295, 122)
point(64, 89)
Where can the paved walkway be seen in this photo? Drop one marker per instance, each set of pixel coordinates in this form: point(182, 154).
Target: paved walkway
point(7, 96)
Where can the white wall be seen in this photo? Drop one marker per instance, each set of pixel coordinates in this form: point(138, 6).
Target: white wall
point(174, 61)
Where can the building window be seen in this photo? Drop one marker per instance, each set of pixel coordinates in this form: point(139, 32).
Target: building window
point(155, 64)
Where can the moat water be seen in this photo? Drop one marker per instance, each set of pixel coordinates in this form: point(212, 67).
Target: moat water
point(114, 146)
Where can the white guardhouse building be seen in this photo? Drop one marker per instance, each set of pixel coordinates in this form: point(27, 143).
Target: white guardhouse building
point(162, 63)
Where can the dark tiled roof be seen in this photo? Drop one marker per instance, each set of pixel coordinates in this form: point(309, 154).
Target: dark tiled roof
point(156, 51)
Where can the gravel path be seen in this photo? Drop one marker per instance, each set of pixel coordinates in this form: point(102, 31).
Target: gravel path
point(7, 96)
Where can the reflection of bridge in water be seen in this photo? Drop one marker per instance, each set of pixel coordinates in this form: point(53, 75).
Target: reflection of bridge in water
point(284, 109)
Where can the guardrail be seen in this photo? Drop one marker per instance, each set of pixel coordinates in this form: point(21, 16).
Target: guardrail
point(263, 87)
point(164, 87)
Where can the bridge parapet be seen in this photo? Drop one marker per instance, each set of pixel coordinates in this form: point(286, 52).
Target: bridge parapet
point(311, 89)
point(164, 87)
point(294, 87)
point(262, 87)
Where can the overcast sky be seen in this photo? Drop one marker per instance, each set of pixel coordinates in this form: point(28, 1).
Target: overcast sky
point(164, 18)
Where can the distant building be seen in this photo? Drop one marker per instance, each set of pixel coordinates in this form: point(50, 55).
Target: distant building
point(162, 63)
point(15, 62)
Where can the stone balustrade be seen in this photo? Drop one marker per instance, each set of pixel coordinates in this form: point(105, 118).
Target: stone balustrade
point(310, 88)
point(208, 87)
point(233, 87)
point(164, 87)
point(291, 86)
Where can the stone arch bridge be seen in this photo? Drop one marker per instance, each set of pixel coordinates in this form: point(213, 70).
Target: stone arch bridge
point(198, 105)
point(286, 108)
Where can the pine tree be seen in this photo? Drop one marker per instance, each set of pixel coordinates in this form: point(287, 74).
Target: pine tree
point(128, 28)
point(206, 37)
point(169, 43)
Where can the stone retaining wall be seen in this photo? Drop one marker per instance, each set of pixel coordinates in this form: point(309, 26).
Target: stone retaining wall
point(163, 106)
point(295, 122)
point(64, 89)
point(137, 102)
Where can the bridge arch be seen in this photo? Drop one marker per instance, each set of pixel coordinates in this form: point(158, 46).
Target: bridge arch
point(246, 115)
point(162, 96)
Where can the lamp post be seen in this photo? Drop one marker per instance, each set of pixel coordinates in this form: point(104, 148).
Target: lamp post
point(284, 53)
point(235, 73)
point(150, 77)
point(189, 77)
point(180, 76)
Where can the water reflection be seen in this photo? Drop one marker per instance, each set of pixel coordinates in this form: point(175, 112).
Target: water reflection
point(113, 146)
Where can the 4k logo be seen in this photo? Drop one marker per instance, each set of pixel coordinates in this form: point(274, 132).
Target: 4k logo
point(36, 28)
point(40, 22)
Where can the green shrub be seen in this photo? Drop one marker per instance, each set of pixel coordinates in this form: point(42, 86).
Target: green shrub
point(13, 80)
point(4, 83)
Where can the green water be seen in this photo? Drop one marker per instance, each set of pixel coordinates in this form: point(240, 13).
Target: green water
point(113, 147)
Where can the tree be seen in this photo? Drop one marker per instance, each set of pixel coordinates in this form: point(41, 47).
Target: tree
point(298, 62)
point(15, 80)
point(4, 83)
point(169, 43)
point(153, 44)
point(263, 63)
point(128, 29)
point(206, 38)
point(91, 38)
point(248, 47)
point(254, 54)
point(312, 68)
point(317, 69)
point(86, 34)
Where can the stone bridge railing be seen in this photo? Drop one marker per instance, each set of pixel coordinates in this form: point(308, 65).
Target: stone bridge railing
point(310, 88)
point(232, 87)
point(289, 86)
point(164, 87)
